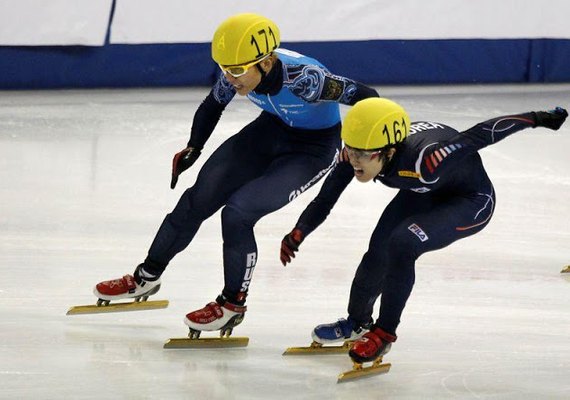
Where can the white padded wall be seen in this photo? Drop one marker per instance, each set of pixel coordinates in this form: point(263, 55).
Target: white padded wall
point(53, 22)
point(183, 21)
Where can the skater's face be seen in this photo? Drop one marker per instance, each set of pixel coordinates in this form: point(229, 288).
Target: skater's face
point(368, 164)
point(245, 78)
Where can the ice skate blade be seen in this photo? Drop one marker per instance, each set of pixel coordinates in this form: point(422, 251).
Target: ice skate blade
point(206, 343)
point(317, 348)
point(118, 307)
point(358, 371)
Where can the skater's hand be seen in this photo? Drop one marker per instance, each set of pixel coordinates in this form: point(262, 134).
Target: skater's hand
point(343, 155)
point(289, 245)
point(181, 162)
point(552, 119)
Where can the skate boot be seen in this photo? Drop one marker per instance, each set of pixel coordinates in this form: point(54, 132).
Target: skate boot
point(372, 346)
point(138, 288)
point(128, 287)
point(343, 330)
point(218, 315)
point(339, 331)
point(552, 119)
point(369, 348)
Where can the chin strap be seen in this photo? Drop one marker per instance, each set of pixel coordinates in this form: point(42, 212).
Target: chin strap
point(261, 71)
point(385, 160)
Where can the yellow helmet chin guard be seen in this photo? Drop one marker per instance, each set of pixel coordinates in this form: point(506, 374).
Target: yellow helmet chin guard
point(244, 38)
point(375, 123)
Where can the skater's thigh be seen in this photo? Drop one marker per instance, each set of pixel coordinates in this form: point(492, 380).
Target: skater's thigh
point(403, 206)
point(444, 223)
point(285, 179)
point(231, 166)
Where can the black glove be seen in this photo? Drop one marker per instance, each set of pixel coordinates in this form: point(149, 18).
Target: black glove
point(289, 245)
point(181, 162)
point(552, 119)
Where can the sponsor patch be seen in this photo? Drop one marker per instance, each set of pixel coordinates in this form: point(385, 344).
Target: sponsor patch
point(408, 174)
point(296, 193)
point(333, 89)
point(416, 230)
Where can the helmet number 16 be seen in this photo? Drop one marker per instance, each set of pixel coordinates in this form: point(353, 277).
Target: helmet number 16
point(265, 37)
point(396, 134)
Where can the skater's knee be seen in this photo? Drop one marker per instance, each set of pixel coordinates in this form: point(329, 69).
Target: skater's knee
point(234, 215)
point(183, 207)
point(404, 245)
point(191, 207)
point(370, 270)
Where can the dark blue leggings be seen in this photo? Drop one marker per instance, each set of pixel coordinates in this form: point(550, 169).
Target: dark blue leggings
point(255, 172)
point(411, 225)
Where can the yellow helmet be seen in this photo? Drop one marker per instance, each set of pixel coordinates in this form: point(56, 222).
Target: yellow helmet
point(244, 38)
point(375, 123)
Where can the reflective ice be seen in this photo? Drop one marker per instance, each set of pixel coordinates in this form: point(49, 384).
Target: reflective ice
point(85, 184)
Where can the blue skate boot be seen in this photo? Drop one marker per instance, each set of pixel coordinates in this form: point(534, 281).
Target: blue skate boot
point(340, 331)
point(343, 331)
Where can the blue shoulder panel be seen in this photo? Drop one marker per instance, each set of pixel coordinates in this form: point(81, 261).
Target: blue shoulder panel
point(297, 103)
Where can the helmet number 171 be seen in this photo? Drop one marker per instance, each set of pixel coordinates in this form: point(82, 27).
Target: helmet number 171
point(265, 35)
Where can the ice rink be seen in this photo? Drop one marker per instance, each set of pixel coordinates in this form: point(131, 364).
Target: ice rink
point(85, 184)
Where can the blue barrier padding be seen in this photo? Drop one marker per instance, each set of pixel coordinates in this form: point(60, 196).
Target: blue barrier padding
point(426, 61)
point(53, 67)
point(555, 61)
point(374, 62)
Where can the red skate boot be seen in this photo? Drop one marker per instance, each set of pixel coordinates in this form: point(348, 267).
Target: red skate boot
point(138, 287)
point(218, 315)
point(128, 287)
point(370, 347)
point(373, 345)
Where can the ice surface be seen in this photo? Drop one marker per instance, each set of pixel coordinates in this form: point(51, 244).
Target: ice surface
point(85, 184)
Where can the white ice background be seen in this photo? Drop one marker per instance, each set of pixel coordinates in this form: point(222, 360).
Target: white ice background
point(85, 184)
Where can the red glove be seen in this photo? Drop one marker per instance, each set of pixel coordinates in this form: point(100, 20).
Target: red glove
point(289, 245)
point(181, 162)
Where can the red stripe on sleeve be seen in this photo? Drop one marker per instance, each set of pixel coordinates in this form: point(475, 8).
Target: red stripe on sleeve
point(429, 165)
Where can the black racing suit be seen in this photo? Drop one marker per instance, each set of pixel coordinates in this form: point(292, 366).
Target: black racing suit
point(445, 195)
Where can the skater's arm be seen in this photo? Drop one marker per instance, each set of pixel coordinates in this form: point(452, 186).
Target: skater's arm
point(492, 131)
point(205, 120)
point(345, 91)
point(438, 158)
point(316, 84)
point(318, 210)
point(209, 112)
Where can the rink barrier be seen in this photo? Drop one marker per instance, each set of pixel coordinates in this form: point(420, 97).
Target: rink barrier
point(378, 62)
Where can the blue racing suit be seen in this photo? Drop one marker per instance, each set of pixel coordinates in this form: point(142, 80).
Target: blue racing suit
point(271, 161)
